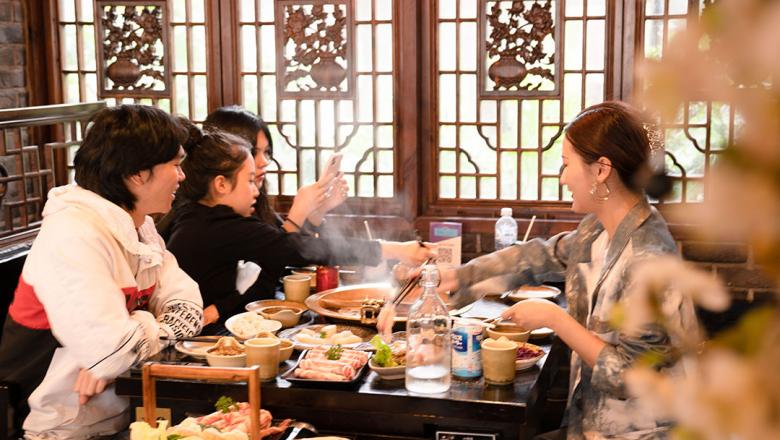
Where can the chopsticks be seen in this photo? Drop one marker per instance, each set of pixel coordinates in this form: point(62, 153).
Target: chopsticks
point(409, 286)
point(528, 231)
point(214, 338)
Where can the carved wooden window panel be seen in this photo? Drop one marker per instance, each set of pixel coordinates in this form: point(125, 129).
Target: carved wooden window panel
point(187, 52)
point(356, 120)
point(510, 148)
point(133, 42)
point(701, 130)
point(518, 48)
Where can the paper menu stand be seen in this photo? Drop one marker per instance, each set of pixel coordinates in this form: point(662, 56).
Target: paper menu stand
point(448, 235)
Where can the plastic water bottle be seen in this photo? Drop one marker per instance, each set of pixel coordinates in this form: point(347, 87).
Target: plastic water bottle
point(429, 340)
point(506, 229)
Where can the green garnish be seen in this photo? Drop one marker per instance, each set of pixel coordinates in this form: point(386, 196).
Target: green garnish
point(225, 404)
point(205, 427)
point(384, 355)
point(323, 335)
point(334, 353)
point(175, 437)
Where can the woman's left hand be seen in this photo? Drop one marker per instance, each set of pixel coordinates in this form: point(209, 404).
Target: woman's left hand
point(534, 313)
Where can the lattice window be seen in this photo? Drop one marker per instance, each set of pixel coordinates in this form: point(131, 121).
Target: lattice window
point(77, 42)
point(322, 111)
point(27, 159)
point(509, 147)
point(701, 129)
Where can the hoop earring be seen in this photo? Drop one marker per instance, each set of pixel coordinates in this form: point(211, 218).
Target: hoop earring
point(594, 191)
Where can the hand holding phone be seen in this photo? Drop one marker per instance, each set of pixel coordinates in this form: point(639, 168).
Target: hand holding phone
point(332, 168)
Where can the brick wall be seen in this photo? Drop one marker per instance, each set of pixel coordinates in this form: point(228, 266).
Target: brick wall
point(12, 55)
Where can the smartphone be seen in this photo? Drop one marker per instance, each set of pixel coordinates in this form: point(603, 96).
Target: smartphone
point(333, 166)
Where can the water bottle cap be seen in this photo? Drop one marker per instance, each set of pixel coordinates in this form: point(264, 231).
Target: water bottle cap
point(506, 212)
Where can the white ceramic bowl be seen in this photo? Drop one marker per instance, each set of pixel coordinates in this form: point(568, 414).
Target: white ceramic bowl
point(523, 364)
point(388, 373)
point(268, 325)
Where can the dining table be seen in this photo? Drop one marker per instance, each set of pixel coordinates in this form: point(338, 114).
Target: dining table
point(373, 407)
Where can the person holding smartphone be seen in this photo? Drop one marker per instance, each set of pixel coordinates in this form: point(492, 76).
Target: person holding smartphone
point(311, 203)
point(215, 227)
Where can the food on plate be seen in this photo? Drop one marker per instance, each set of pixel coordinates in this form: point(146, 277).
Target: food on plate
point(334, 364)
point(248, 325)
point(230, 422)
point(227, 346)
point(327, 335)
point(528, 351)
point(392, 355)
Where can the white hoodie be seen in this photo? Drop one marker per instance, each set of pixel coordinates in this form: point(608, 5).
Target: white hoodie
point(89, 269)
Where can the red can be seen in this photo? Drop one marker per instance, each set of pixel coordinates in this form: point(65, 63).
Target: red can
point(327, 278)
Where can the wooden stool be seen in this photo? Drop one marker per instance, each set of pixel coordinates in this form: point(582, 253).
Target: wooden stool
point(251, 375)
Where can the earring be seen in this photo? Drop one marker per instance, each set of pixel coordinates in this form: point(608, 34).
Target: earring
point(594, 191)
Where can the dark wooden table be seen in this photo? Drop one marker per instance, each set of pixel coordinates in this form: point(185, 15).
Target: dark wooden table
point(374, 408)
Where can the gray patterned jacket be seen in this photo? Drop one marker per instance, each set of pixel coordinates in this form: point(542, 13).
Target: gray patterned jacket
point(599, 406)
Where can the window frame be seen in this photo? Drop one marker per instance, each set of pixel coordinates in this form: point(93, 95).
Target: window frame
point(414, 101)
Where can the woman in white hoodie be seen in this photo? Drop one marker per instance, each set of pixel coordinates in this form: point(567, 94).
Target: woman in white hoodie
point(99, 289)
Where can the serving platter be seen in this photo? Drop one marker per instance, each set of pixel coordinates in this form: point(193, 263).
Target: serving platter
point(344, 303)
point(290, 377)
point(362, 332)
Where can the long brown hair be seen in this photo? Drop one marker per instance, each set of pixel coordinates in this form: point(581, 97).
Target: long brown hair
point(614, 130)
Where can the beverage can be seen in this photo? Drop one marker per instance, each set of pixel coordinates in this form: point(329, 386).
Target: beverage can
point(327, 278)
point(466, 348)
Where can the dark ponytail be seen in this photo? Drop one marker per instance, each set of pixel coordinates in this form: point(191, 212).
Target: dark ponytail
point(210, 154)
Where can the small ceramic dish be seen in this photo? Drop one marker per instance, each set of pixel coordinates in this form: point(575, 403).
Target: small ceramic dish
point(285, 349)
point(526, 358)
point(219, 360)
point(509, 331)
point(288, 315)
point(388, 373)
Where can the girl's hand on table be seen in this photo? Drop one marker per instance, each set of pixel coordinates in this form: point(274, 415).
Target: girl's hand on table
point(88, 385)
point(534, 313)
point(210, 315)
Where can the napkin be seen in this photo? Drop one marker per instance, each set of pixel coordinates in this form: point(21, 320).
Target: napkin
point(246, 275)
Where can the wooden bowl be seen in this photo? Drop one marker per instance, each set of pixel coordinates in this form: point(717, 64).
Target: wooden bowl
point(509, 331)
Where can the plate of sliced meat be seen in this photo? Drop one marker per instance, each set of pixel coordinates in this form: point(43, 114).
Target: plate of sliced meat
point(331, 366)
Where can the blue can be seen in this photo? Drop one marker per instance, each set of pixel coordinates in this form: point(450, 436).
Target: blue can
point(466, 348)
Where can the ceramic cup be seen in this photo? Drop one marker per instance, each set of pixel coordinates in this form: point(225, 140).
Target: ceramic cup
point(498, 361)
point(263, 352)
point(296, 287)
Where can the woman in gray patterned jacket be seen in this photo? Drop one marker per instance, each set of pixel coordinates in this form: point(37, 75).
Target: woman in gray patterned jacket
point(605, 154)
